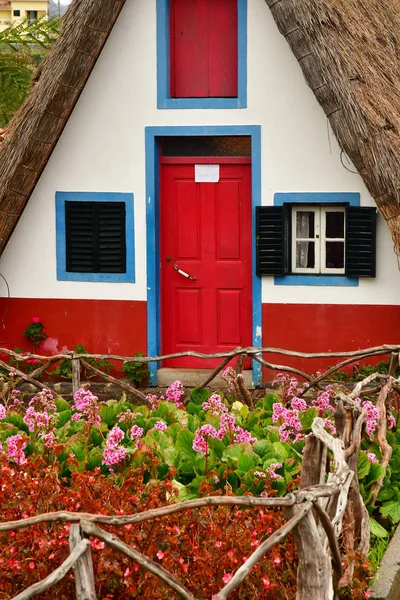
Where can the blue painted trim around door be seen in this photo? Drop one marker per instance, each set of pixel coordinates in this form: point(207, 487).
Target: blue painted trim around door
point(153, 237)
point(351, 198)
point(164, 99)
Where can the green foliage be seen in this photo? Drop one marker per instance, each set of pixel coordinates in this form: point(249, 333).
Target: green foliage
point(360, 372)
point(64, 367)
point(22, 47)
point(137, 372)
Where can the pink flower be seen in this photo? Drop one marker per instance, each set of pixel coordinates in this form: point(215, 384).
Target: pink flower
point(241, 435)
point(175, 393)
point(215, 405)
point(2, 412)
point(160, 425)
point(200, 442)
point(160, 555)
point(16, 447)
point(31, 565)
point(35, 320)
point(113, 453)
point(227, 577)
point(372, 457)
point(87, 406)
point(136, 432)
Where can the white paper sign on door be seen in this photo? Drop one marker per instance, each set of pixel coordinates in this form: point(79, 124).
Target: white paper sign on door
point(206, 173)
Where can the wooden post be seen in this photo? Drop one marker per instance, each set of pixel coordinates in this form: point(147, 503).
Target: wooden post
point(83, 568)
point(314, 572)
point(76, 374)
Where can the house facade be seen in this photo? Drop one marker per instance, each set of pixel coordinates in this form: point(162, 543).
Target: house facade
point(17, 10)
point(198, 199)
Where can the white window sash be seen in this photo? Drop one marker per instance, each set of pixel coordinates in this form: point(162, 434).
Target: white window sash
point(316, 239)
point(324, 239)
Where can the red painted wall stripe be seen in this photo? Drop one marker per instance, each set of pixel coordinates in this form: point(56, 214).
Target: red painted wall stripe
point(102, 326)
point(120, 327)
point(327, 327)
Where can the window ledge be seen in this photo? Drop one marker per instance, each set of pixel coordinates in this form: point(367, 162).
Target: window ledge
point(317, 280)
point(193, 103)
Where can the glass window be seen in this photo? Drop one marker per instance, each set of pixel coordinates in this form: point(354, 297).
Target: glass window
point(318, 239)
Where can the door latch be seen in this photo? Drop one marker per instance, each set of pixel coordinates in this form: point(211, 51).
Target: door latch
point(183, 273)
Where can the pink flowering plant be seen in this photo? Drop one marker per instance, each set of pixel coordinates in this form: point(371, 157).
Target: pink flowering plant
point(200, 438)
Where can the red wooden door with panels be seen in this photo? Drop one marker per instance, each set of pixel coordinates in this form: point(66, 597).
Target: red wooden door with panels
point(206, 234)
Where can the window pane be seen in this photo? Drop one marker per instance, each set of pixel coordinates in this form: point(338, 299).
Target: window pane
point(227, 145)
point(305, 255)
point(335, 224)
point(334, 255)
point(305, 224)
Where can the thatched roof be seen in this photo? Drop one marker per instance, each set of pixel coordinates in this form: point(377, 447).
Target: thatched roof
point(34, 131)
point(349, 51)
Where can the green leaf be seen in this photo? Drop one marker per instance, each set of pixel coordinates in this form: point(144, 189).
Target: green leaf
point(95, 461)
point(193, 409)
point(62, 405)
point(163, 440)
point(376, 473)
point(16, 420)
point(95, 437)
point(377, 530)
point(184, 443)
point(78, 450)
point(63, 418)
point(109, 415)
point(264, 448)
point(280, 451)
point(364, 465)
point(245, 463)
point(391, 509)
point(234, 451)
point(269, 400)
point(306, 418)
point(199, 395)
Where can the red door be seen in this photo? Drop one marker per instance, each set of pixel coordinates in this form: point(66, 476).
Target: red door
point(206, 233)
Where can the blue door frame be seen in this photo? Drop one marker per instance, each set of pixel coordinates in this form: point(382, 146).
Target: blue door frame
point(153, 235)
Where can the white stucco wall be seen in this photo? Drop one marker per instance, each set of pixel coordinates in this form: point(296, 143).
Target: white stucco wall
point(102, 149)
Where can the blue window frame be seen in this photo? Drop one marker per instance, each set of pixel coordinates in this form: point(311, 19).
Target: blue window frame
point(94, 197)
point(321, 198)
point(164, 99)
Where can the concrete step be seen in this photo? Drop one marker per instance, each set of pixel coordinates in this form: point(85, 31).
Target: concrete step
point(195, 377)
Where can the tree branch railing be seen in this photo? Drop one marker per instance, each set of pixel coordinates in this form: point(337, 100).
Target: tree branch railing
point(315, 512)
point(81, 360)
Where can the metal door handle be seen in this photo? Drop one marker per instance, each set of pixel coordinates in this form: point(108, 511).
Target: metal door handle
point(183, 273)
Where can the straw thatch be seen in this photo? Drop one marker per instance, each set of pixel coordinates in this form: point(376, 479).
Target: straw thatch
point(349, 51)
point(36, 128)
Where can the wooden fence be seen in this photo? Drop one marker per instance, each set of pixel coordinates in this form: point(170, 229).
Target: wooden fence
point(327, 501)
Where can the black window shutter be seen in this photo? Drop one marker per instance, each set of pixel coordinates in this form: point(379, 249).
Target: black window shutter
point(360, 241)
point(95, 237)
point(271, 240)
point(111, 238)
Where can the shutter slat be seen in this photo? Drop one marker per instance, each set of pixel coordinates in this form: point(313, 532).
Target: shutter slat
point(360, 241)
point(270, 231)
point(95, 237)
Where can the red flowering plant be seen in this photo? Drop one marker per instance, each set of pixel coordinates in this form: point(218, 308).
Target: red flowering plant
point(35, 332)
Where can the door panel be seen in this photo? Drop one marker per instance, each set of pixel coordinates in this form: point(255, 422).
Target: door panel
point(206, 233)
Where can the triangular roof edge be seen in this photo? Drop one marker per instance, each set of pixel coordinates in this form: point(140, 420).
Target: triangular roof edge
point(349, 57)
point(34, 131)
